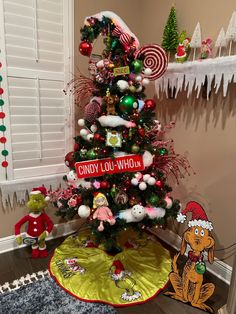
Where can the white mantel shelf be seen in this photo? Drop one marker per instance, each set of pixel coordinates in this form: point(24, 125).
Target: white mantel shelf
point(191, 75)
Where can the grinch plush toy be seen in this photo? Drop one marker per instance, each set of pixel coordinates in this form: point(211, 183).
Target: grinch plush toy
point(39, 224)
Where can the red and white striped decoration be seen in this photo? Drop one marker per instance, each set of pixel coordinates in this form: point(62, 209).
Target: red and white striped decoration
point(124, 38)
point(155, 58)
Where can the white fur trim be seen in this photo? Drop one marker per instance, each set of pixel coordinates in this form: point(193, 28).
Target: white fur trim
point(130, 298)
point(201, 223)
point(119, 276)
point(34, 215)
point(35, 192)
point(181, 218)
point(42, 248)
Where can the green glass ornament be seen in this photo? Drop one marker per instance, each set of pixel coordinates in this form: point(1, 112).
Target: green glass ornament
point(113, 191)
point(114, 44)
point(163, 151)
point(4, 152)
point(136, 66)
point(135, 149)
point(91, 154)
point(153, 199)
point(128, 104)
point(1, 102)
point(0, 78)
point(2, 128)
point(200, 268)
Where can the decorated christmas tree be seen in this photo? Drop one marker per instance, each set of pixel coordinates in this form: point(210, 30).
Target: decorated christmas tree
point(121, 162)
point(170, 39)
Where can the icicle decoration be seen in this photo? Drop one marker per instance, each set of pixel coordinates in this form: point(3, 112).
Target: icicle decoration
point(191, 76)
point(81, 87)
point(23, 281)
point(20, 188)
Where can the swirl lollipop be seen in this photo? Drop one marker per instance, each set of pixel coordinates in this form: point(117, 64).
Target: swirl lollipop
point(155, 58)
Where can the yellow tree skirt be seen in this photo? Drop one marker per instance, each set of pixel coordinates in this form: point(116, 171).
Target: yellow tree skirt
point(133, 276)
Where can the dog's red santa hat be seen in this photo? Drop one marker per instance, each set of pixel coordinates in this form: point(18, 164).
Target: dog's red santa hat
point(199, 217)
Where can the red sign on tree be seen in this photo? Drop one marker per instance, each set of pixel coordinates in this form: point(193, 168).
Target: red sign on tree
point(99, 167)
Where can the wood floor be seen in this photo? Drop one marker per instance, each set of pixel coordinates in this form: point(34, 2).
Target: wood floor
point(18, 263)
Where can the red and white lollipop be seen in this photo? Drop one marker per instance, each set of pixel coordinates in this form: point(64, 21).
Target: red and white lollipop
point(155, 58)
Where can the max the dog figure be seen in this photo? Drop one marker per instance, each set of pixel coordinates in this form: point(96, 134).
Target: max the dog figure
point(189, 287)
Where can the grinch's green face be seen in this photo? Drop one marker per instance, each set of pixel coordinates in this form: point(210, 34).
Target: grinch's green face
point(36, 203)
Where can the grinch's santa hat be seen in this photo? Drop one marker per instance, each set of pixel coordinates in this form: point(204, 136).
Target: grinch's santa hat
point(119, 270)
point(40, 190)
point(199, 217)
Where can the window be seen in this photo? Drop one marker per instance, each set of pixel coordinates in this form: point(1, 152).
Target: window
point(36, 41)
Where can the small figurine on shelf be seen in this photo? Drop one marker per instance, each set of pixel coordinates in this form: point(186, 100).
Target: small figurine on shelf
point(39, 223)
point(102, 212)
point(183, 48)
point(206, 48)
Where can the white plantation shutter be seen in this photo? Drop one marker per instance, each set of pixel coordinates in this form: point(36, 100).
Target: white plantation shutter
point(36, 52)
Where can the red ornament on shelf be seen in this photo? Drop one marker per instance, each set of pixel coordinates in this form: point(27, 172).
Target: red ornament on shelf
point(160, 184)
point(1, 91)
point(149, 104)
point(85, 48)
point(69, 160)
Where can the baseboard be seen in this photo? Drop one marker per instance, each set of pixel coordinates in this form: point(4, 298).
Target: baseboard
point(218, 268)
point(59, 230)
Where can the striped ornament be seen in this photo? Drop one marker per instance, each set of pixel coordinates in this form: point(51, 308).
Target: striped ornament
point(124, 38)
point(155, 58)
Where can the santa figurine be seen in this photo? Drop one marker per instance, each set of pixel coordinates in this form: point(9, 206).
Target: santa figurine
point(102, 212)
point(39, 223)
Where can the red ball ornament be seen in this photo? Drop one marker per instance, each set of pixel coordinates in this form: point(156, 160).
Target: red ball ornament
point(1, 91)
point(79, 199)
point(127, 183)
point(3, 140)
point(4, 164)
point(85, 48)
point(104, 185)
point(149, 104)
point(160, 184)
point(2, 115)
point(69, 160)
point(76, 147)
point(141, 132)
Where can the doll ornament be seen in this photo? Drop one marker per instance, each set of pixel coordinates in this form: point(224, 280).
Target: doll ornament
point(102, 212)
point(39, 223)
